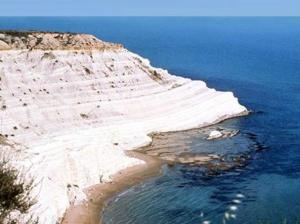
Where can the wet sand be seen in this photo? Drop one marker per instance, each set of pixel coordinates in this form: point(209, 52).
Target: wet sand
point(98, 195)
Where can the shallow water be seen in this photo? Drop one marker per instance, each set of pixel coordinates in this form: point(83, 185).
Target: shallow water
point(256, 58)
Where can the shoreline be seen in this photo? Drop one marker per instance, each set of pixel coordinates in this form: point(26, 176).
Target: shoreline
point(89, 212)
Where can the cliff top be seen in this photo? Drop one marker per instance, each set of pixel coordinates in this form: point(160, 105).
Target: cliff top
point(35, 40)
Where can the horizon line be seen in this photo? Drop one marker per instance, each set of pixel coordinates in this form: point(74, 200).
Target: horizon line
point(1, 16)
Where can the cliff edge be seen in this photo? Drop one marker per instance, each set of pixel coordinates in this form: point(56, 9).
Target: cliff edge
point(31, 40)
point(70, 105)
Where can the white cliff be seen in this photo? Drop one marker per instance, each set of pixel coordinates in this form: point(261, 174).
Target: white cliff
point(73, 104)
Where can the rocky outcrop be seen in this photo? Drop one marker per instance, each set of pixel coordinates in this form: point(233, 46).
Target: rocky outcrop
point(72, 104)
point(52, 41)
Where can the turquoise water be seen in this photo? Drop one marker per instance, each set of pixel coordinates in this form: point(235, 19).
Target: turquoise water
point(256, 58)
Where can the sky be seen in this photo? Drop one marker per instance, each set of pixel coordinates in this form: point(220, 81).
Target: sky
point(149, 7)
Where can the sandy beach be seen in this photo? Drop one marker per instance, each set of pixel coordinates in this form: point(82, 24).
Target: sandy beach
point(98, 195)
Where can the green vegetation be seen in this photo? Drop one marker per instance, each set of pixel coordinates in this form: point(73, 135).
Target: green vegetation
point(28, 32)
point(88, 71)
point(84, 116)
point(155, 75)
point(14, 195)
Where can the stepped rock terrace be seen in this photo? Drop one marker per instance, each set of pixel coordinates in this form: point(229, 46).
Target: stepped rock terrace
point(71, 105)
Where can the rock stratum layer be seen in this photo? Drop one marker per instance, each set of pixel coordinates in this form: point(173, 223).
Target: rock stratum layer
point(71, 105)
point(12, 40)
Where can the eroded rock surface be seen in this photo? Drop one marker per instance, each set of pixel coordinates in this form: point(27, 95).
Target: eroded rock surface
point(72, 104)
point(52, 41)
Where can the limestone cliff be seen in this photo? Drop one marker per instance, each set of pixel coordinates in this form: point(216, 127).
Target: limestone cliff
point(70, 105)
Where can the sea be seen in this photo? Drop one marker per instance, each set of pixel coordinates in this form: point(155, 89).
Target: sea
point(258, 59)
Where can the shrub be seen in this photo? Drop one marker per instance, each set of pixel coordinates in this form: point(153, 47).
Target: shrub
point(84, 116)
point(14, 195)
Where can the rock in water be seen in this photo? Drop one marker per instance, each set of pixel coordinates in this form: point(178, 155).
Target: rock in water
point(214, 134)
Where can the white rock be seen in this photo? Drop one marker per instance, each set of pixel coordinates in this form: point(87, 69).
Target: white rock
point(68, 111)
point(4, 46)
point(227, 215)
point(214, 134)
point(233, 216)
point(233, 208)
point(237, 201)
point(240, 196)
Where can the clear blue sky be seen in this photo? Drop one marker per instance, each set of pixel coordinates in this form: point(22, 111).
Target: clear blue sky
point(150, 7)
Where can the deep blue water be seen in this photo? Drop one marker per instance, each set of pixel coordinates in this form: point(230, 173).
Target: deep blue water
point(256, 58)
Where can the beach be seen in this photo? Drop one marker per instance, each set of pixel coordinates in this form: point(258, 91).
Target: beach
point(99, 195)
